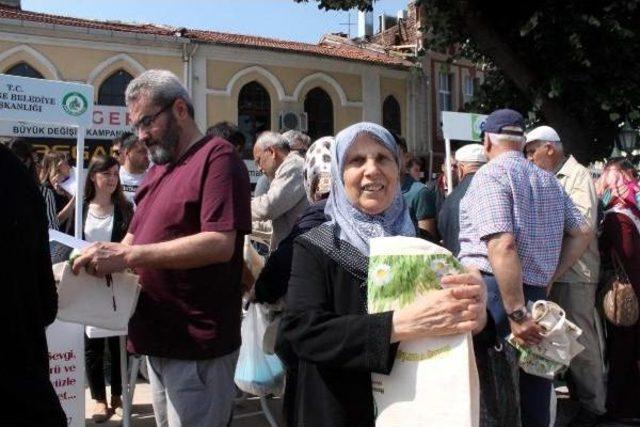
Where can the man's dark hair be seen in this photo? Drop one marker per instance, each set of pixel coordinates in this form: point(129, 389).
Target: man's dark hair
point(129, 141)
point(120, 139)
point(23, 150)
point(229, 132)
point(414, 161)
point(21, 147)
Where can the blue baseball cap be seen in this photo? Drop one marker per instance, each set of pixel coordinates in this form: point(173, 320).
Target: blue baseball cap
point(505, 121)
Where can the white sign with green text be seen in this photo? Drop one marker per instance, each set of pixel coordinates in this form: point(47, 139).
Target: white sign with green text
point(45, 101)
point(462, 126)
point(459, 126)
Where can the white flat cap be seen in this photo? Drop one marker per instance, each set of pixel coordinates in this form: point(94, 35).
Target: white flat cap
point(471, 153)
point(543, 133)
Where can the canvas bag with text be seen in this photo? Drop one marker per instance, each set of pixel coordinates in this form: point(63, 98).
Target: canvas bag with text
point(434, 380)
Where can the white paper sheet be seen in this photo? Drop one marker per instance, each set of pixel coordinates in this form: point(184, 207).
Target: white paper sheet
point(69, 184)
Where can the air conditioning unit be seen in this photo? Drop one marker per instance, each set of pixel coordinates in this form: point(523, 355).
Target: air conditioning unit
point(290, 120)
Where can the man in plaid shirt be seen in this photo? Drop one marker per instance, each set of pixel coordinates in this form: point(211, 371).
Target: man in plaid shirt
point(522, 231)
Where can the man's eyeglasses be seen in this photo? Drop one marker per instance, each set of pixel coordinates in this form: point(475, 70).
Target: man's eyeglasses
point(147, 121)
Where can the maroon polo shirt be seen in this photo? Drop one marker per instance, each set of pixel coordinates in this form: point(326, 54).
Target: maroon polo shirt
point(192, 313)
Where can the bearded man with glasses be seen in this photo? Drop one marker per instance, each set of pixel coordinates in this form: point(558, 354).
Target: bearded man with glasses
point(185, 243)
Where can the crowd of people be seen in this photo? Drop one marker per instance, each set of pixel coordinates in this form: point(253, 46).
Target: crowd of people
point(174, 205)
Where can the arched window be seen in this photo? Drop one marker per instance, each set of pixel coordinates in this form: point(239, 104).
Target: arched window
point(391, 114)
point(254, 113)
point(112, 89)
point(319, 109)
point(25, 70)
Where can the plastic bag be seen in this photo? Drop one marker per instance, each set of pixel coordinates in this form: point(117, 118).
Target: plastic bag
point(559, 345)
point(257, 373)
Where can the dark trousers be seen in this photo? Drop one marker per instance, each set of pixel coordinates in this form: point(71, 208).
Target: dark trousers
point(535, 392)
point(94, 358)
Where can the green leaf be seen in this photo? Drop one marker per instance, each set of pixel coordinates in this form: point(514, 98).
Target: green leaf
point(529, 25)
point(594, 21)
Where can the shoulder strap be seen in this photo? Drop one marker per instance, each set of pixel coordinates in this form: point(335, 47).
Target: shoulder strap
point(618, 267)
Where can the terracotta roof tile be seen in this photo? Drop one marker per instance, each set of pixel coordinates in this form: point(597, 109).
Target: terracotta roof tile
point(335, 50)
point(331, 50)
point(7, 12)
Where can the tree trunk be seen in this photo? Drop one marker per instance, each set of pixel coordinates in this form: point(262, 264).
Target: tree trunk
point(575, 137)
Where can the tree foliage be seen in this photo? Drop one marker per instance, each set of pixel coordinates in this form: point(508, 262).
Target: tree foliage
point(572, 64)
point(342, 4)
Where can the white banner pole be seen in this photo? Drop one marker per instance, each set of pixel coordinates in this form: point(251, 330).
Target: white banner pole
point(79, 184)
point(447, 162)
point(126, 391)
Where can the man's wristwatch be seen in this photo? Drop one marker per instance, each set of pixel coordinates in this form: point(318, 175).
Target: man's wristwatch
point(519, 314)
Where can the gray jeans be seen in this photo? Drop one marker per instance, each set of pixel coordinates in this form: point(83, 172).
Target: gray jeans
point(192, 393)
point(586, 379)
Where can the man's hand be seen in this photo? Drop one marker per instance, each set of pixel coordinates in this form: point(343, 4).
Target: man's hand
point(102, 258)
point(526, 333)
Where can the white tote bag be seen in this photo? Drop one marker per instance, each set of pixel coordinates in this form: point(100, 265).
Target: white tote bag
point(96, 301)
point(434, 380)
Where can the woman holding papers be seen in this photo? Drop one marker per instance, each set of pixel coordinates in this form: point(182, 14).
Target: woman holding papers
point(106, 219)
point(326, 322)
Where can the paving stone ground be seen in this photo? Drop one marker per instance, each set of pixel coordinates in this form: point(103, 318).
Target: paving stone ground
point(245, 411)
point(247, 416)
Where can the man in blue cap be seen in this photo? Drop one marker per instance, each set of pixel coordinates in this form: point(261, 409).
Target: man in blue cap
point(522, 231)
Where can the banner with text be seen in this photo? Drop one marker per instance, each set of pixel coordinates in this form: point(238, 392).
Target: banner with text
point(45, 101)
point(108, 122)
point(254, 172)
point(66, 368)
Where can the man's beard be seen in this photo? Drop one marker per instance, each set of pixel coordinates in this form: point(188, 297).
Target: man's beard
point(163, 149)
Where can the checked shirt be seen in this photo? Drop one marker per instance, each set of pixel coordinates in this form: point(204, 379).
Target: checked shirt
point(512, 195)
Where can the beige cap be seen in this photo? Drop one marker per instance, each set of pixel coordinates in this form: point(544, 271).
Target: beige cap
point(471, 153)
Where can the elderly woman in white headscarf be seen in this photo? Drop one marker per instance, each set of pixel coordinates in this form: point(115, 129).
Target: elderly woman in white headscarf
point(326, 323)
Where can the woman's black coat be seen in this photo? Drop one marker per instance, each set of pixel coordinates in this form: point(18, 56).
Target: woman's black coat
point(338, 345)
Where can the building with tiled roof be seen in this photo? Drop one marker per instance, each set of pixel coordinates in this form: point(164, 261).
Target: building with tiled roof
point(257, 82)
point(450, 82)
point(228, 39)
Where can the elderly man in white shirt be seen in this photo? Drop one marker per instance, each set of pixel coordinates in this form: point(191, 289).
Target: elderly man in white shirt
point(575, 291)
point(286, 198)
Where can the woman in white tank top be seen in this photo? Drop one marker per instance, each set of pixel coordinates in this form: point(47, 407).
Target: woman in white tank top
point(107, 216)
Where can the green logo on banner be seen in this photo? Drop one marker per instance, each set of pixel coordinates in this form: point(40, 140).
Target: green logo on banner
point(477, 125)
point(74, 103)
